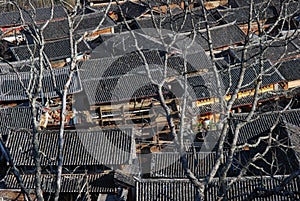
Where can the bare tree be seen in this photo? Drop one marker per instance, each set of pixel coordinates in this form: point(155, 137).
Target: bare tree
point(251, 60)
point(259, 35)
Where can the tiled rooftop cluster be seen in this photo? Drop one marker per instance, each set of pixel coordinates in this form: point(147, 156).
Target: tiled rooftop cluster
point(117, 141)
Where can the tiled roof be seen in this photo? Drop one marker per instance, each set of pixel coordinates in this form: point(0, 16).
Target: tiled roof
point(164, 189)
point(101, 76)
point(238, 3)
point(231, 76)
point(124, 43)
point(103, 183)
point(84, 23)
point(272, 51)
point(15, 118)
point(162, 2)
point(119, 89)
point(82, 147)
point(203, 86)
point(11, 88)
point(168, 164)
point(19, 66)
point(89, 22)
point(55, 30)
point(42, 14)
point(54, 50)
point(221, 36)
point(290, 69)
point(177, 23)
point(131, 10)
point(261, 188)
point(261, 123)
point(112, 89)
point(278, 158)
point(292, 117)
point(258, 189)
point(239, 15)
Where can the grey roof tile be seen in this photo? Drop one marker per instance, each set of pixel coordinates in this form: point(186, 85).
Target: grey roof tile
point(15, 118)
point(261, 123)
point(89, 22)
point(82, 147)
point(168, 164)
point(42, 14)
point(178, 22)
point(131, 10)
point(169, 189)
point(290, 69)
point(11, 88)
point(257, 189)
point(240, 15)
point(231, 76)
point(53, 50)
point(221, 36)
point(102, 77)
point(100, 183)
point(271, 50)
point(182, 189)
point(83, 23)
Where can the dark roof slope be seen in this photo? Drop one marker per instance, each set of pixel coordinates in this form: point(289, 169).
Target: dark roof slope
point(117, 89)
point(165, 189)
point(83, 23)
point(290, 69)
point(259, 3)
point(261, 123)
point(239, 15)
point(254, 188)
point(82, 147)
point(221, 36)
point(240, 3)
point(168, 164)
point(53, 50)
point(103, 79)
point(12, 89)
point(162, 2)
point(178, 23)
point(124, 43)
point(271, 50)
point(258, 189)
point(91, 21)
point(265, 133)
point(15, 118)
point(231, 76)
point(291, 117)
point(100, 183)
point(55, 30)
point(42, 14)
point(131, 10)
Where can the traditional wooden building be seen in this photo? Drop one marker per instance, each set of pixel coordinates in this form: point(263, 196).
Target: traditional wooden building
point(167, 180)
point(13, 24)
point(90, 169)
point(286, 67)
point(57, 52)
point(13, 89)
point(266, 13)
point(257, 189)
